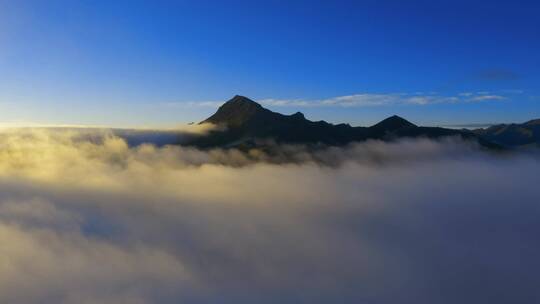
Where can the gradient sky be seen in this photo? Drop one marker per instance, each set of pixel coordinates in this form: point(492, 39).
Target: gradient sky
point(161, 63)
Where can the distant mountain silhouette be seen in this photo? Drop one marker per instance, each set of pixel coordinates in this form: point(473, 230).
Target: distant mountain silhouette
point(513, 135)
point(247, 122)
point(534, 122)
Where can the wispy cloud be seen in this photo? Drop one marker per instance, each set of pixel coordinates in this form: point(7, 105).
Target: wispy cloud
point(373, 100)
point(488, 97)
point(498, 74)
point(356, 100)
point(369, 100)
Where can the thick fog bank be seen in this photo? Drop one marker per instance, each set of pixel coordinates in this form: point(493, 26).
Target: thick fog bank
point(417, 221)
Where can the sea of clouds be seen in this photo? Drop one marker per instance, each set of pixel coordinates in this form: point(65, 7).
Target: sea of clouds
point(86, 218)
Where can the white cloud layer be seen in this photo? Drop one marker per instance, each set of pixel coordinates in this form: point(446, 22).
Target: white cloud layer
point(91, 220)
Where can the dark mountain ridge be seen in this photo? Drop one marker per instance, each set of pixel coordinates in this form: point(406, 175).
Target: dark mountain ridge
point(247, 122)
point(513, 135)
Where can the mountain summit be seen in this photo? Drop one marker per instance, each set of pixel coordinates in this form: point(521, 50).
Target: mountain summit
point(237, 111)
point(391, 124)
point(246, 121)
point(242, 111)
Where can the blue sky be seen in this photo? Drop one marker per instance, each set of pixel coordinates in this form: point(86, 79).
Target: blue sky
point(161, 63)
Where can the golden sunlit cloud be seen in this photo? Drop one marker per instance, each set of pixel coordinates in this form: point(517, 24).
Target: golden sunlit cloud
point(87, 218)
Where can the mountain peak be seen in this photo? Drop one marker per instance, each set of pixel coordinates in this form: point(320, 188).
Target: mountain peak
point(236, 111)
point(392, 123)
point(298, 115)
point(239, 99)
